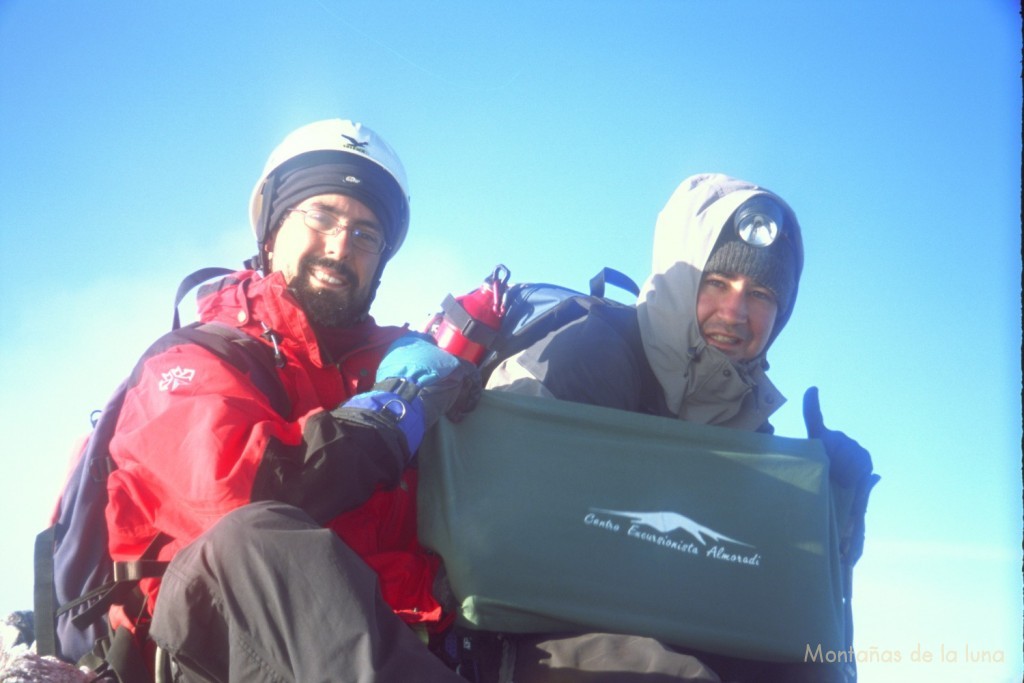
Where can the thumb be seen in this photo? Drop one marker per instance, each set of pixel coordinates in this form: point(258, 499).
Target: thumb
point(812, 414)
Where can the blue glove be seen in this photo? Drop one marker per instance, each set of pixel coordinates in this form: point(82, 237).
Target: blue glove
point(448, 385)
point(401, 408)
point(849, 461)
point(417, 383)
point(851, 468)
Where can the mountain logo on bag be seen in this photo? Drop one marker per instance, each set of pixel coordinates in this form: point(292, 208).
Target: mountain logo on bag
point(665, 523)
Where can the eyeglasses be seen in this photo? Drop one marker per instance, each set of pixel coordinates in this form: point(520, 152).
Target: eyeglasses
point(362, 238)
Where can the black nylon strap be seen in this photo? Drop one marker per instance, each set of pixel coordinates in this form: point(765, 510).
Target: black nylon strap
point(190, 282)
point(126, 576)
point(124, 658)
point(245, 353)
point(100, 598)
point(45, 600)
point(138, 569)
point(471, 328)
point(401, 387)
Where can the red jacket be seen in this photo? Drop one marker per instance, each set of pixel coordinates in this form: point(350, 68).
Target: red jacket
point(196, 439)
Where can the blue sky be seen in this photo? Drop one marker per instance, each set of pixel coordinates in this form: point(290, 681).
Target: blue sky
point(547, 136)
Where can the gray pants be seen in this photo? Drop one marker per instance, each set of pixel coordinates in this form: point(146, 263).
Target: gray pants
point(604, 658)
point(612, 658)
point(266, 594)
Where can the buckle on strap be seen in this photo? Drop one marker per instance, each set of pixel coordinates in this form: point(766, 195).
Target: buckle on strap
point(471, 328)
point(399, 386)
point(138, 569)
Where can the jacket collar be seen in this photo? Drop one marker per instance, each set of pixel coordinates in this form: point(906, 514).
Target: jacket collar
point(264, 305)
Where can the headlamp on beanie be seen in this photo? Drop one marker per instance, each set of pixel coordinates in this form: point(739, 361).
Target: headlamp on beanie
point(758, 221)
point(756, 247)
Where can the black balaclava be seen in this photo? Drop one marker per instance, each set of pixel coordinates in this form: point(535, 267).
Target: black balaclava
point(331, 172)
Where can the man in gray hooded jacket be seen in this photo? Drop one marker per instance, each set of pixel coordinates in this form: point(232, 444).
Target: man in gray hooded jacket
point(726, 268)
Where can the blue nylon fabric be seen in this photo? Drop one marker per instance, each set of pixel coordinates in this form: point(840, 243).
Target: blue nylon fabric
point(417, 358)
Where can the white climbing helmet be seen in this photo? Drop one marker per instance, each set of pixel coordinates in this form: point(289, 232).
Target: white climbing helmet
point(350, 138)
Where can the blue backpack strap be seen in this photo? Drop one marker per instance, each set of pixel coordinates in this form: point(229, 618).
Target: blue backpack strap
point(612, 277)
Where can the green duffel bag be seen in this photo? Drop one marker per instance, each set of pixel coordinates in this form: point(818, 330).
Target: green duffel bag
point(553, 516)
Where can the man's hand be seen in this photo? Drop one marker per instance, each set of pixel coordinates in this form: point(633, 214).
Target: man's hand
point(448, 385)
point(850, 462)
point(851, 468)
point(417, 383)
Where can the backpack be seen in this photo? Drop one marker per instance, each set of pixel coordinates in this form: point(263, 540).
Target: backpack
point(76, 581)
point(497, 321)
point(504, 320)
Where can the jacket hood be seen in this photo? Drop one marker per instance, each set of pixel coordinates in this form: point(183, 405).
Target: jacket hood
point(685, 234)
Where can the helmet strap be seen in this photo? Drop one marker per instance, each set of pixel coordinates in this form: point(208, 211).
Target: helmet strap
point(256, 262)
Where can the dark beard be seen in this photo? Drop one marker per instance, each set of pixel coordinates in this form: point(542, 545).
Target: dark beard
point(328, 308)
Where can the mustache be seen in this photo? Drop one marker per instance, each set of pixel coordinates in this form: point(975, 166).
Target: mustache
point(339, 268)
point(737, 330)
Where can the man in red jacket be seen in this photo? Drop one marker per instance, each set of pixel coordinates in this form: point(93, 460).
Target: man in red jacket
point(292, 536)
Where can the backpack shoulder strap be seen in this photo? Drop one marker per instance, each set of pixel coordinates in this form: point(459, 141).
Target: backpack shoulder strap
point(190, 282)
point(611, 276)
point(249, 355)
point(44, 599)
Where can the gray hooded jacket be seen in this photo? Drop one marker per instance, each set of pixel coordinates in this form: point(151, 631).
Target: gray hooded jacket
point(700, 383)
point(604, 360)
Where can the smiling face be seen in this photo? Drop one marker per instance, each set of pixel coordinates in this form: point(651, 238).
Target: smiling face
point(735, 314)
point(332, 279)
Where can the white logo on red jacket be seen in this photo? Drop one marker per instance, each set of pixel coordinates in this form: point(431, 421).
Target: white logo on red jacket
point(175, 378)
